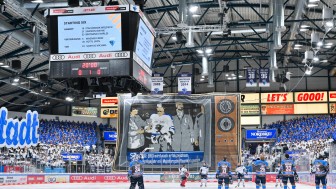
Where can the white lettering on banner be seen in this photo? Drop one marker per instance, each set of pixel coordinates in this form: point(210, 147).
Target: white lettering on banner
point(311, 97)
point(262, 133)
point(15, 133)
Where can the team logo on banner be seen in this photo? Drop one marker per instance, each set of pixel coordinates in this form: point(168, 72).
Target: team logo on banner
point(264, 77)
point(251, 79)
point(157, 84)
point(184, 84)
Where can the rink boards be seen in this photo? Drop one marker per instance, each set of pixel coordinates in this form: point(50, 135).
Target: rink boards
point(23, 179)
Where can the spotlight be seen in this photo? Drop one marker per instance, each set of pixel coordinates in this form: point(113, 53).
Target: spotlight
point(174, 38)
point(193, 9)
point(320, 44)
point(308, 70)
point(16, 80)
point(70, 99)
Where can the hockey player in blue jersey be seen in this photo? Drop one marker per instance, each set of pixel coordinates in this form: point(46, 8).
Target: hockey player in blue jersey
point(135, 173)
point(260, 166)
point(320, 169)
point(223, 173)
point(288, 172)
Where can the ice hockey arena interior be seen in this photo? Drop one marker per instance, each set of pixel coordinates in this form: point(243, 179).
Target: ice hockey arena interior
point(167, 94)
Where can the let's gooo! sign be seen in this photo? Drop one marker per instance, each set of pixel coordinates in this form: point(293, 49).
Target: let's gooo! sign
point(311, 97)
point(15, 133)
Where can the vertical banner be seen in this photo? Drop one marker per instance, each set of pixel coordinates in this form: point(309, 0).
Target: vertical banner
point(184, 84)
point(157, 84)
point(251, 78)
point(264, 80)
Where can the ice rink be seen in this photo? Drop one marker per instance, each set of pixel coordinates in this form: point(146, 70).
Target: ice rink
point(249, 185)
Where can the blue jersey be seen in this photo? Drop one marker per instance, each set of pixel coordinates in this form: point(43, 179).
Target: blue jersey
point(259, 167)
point(136, 168)
point(224, 169)
point(321, 167)
point(287, 167)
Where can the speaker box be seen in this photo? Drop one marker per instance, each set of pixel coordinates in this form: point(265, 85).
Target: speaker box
point(73, 3)
point(44, 77)
point(16, 64)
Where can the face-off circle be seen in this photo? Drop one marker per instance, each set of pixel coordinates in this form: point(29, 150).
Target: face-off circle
point(225, 106)
point(225, 124)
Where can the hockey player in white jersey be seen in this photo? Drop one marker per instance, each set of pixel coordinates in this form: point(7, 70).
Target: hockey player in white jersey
point(204, 170)
point(241, 171)
point(162, 129)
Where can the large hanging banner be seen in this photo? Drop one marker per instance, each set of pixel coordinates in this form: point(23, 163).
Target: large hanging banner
point(251, 77)
point(157, 84)
point(15, 133)
point(184, 84)
point(175, 130)
point(264, 80)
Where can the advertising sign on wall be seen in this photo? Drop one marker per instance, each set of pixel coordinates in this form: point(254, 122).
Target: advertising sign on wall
point(312, 108)
point(267, 134)
point(13, 179)
point(249, 110)
point(84, 111)
point(277, 109)
point(109, 112)
point(72, 156)
point(56, 178)
point(276, 97)
point(249, 98)
point(110, 136)
point(332, 96)
point(311, 97)
point(332, 108)
point(109, 101)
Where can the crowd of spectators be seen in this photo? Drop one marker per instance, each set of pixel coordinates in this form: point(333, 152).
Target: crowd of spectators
point(61, 137)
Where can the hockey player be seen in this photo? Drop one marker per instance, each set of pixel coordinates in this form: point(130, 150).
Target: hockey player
point(162, 130)
point(135, 173)
point(321, 169)
point(223, 173)
point(288, 171)
point(184, 175)
point(204, 170)
point(278, 179)
point(241, 171)
point(260, 167)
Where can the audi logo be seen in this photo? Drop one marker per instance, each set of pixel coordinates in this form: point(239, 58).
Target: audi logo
point(89, 56)
point(121, 55)
point(57, 57)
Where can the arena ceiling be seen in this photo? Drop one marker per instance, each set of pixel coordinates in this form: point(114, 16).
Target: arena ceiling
point(245, 43)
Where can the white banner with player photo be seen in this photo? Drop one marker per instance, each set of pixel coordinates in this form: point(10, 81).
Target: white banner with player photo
point(157, 84)
point(184, 84)
point(176, 129)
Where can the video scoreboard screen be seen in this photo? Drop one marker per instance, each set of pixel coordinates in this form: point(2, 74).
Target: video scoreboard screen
point(89, 33)
point(144, 43)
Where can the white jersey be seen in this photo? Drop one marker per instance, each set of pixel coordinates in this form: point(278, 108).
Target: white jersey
point(183, 171)
point(165, 121)
point(241, 170)
point(204, 170)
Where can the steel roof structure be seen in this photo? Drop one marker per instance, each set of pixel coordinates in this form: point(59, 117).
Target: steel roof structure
point(238, 32)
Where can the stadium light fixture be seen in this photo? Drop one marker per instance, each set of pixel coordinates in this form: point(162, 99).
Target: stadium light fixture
point(310, 5)
point(319, 44)
point(174, 38)
point(16, 79)
point(69, 99)
point(193, 9)
point(208, 51)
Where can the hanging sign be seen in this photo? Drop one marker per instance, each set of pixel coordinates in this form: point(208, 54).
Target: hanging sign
point(251, 78)
point(184, 84)
point(157, 84)
point(264, 80)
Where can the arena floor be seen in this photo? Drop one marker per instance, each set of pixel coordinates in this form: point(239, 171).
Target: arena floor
point(126, 186)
